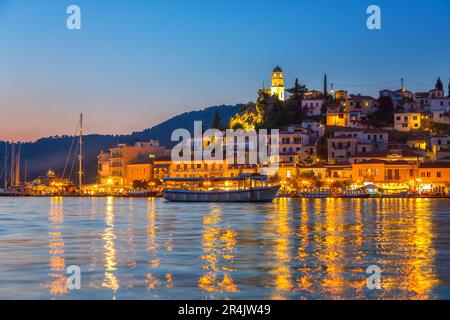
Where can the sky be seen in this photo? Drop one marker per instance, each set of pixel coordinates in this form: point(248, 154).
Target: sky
point(136, 63)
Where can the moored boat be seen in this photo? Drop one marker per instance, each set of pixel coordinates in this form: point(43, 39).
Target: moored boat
point(316, 194)
point(248, 188)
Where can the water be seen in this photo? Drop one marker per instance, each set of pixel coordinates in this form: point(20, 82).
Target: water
point(290, 249)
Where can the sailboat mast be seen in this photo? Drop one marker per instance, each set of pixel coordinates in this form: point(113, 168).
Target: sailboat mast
point(25, 177)
point(17, 167)
point(6, 165)
point(80, 156)
point(12, 163)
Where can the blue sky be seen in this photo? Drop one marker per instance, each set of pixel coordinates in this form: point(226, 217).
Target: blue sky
point(136, 63)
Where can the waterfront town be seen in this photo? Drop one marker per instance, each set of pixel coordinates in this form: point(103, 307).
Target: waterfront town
point(343, 144)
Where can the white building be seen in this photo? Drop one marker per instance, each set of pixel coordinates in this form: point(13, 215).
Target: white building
point(312, 107)
point(316, 129)
point(407, 121)
point(438, 100)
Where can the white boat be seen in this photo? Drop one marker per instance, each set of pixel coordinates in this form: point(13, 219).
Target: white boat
point(250, 192)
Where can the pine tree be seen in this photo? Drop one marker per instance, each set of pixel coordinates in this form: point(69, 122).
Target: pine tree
point(439, 85)
point(217, 121)
point(325, 86)
point(297, 91)
point(449, 88)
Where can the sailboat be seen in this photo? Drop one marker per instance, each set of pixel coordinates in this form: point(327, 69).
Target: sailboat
point(12, 183)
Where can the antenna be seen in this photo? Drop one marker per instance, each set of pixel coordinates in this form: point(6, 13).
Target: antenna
point(80, 155)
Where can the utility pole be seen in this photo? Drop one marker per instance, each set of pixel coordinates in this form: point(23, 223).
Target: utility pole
point(80, 156)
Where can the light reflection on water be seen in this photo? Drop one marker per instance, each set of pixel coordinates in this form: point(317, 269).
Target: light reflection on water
point(290, 249)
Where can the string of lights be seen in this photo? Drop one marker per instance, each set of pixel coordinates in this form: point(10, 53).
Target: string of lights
point(366, 85)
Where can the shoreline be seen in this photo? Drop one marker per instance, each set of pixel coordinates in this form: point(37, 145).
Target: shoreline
point(277, 197)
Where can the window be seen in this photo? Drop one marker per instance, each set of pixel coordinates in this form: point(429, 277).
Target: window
point(389, 174)
point(438, 174)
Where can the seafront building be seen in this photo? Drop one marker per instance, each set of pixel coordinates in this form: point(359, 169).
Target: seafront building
point(119, 166)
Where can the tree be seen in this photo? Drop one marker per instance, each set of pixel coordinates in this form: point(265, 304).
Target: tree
point(325, 86)
point(439, 86)
point(306, 180)
point(340, 185)
point(297, 91)
point(217, 121)
point(140, 184)
point(449, 88)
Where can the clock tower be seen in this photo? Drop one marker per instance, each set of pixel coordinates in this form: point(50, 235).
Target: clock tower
point(278, 83)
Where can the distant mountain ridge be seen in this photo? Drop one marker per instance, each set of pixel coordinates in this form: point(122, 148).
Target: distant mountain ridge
point(51, 152)
point(162, 131)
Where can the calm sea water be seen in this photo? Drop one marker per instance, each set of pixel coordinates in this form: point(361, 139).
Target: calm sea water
point(290, 249)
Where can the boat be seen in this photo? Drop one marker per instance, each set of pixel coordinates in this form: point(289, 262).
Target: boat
point(142, 193)
point(355, 193)
point(243, 188)
point(316, 194)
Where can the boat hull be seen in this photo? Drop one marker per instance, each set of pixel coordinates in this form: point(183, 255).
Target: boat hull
point(261, 194)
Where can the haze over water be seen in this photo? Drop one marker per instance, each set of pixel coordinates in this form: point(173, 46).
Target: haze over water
point(290, 249)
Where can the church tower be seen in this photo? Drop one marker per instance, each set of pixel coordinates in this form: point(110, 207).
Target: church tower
point(278, 83)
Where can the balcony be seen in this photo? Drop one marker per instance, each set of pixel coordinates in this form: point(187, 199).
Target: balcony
point(116, 155)
point(116, 165)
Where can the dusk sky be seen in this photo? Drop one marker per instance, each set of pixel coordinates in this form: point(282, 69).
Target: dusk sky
point(136, 63)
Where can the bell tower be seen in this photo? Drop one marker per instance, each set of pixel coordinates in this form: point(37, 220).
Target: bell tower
point(278, 83)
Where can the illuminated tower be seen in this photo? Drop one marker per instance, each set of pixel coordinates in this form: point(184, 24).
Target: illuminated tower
point(278, 83)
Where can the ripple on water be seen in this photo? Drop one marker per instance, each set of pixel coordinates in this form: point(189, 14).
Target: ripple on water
point(289, 249)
